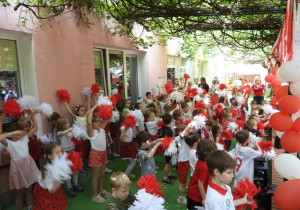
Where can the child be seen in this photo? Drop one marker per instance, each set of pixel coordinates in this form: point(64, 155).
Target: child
point(217, 131)
point(64, 133)
point(151, 125)
point(206, 132)
point(128, 150)
point(251, 126)
point(168, 109)
point(192, 140)
point(245, 157)
point(162, 102)
point(187, 111)
point(234, 109)
point(139, 121)
point(121, 196)
point(166, 131)
point(178, 116)
point(98, 154)
point(23, 170)
point(218, 195)
point(157, 113)
point(126, 105)
point(146, 152)
point(52, 120)
point(252, 106)
point(227, 120)
point(182, 162)
point(48, 193)
point(201, 177)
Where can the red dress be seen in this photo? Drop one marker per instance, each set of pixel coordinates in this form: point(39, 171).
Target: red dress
point(34, 149)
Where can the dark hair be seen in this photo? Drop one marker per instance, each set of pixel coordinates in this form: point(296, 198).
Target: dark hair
point(179, 128)
point(215, 131)
point(196, 112)
point(233, 102)
point(47, 151)
point(168, 107)
point(210, 122)
point(252, 116)
point(203, 79)
point(143, 136)
point(162, 97)
point(176, 114)
point(222, 99)
point(167, 119)
point(242, 136)
point(183, 105)
point(77, 108)
point(136, 106)
point(14, 126)
point(54, 116)
point(152, 105)
point(261, 111)
point(220, 160)
point(192, 138)
point(205, 148)
point(148, 93)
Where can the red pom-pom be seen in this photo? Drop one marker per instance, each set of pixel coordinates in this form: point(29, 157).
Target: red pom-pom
point(63, 95)
point(186, 76)
point(266, 146)
point(204, 91)
point(222, 86)
point(151, 185)
point(12, 108)
point(246, 187)
point(118, 96)
point(247, 90)
point(166, 142)
point(114, 101)
point(204, 114)
point(218, 108)
point(129, 121)
point(169, 88)
point(187, 121)
point(240, 123)
point(187, 95)
point(174, 106)
point(105, 112)
point(168, 85)
point(75, 158)
point(200, 105)
point(192, 91)
point(95, 89)
point(120, 87)
point(213, 100)
point(260, 125)
point(226, 134)
point(234, 112)
point(160, 124)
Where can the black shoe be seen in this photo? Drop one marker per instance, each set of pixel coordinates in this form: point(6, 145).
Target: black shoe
point(167, 182)
point(110, 159)
point(172, 177)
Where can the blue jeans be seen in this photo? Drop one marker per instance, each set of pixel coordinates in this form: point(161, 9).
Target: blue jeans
point(258, 99)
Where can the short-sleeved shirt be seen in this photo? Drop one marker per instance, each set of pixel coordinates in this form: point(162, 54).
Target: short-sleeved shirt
point(218, 198)
point(66, 143)
point(113, 204)
point(193, 160)
point(147, 165)
point(18, 149)
point(258, 91)
point(200, 173)
point(206, 134)
point(128, 135)
point(152, 128)
point(244, 159)
point(80, 122)
point(183, 149)
point(166, 130)
point(47, 182)
point(98, 141)
point(161, 105)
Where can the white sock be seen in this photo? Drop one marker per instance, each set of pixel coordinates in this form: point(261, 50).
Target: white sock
point(130, 166)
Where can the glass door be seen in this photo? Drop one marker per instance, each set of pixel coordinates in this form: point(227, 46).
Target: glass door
point(100, 72)
point(132, 77)
point(116, 71)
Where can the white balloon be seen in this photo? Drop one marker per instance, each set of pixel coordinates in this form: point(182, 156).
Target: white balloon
point(289, 72)
point(279, 134)
point(288, 166)
point(295, 88)
point(296, 115)
point(279, 77)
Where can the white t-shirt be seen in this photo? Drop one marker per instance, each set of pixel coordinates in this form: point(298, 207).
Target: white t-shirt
point(66, 143)
point(152, 128)
point(128, 135)
point(80, 122)
point(244, 159)
point(18, 149)
point(183, 149)
point(172, 125)
point(188, 115)
point(193, 160)
point(98, 141)
point(161, 105)
point(218, 198)
point(46, 183)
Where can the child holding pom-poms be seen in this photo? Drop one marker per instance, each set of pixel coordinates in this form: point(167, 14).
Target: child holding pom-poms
point(98, 154)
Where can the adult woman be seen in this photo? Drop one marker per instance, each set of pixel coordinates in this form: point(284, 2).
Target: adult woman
point(176, 84)
point(202, 84)
point(258, 90)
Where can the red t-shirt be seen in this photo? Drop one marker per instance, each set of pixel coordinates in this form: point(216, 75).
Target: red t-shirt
point(258, 91)
point(200, 173)
point(34, 149)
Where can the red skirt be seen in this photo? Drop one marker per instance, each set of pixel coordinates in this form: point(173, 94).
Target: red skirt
point(43, 199)
point(128, 150)
point(159, 149)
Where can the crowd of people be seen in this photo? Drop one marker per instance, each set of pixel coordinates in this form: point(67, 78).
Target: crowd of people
point(202, 146)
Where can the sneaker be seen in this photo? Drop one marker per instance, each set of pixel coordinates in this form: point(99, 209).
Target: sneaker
point(71, 192)
point(172, 177)
point(115, 154)
point(104, 194)
point(182, 200)
point(110, 159)
point(131, 176)
point(107, 170)
point(98, 199)
point(82, 172)
point(167, 182)
point(156, 167)
point(78, 188)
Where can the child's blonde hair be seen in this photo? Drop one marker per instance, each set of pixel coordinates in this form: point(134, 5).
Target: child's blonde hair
point(60, 123)
point(168, 108)
point(177, 114)
point(118, 180)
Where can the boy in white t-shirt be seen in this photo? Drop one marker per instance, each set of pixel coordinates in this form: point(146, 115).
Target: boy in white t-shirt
point(218, 195)
point(244, 157)
point(192, 140)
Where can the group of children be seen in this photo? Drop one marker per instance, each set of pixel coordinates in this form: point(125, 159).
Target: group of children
point(210, 170)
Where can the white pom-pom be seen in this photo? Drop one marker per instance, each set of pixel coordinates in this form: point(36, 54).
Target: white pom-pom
point(146, 201)
point(174, 159)
point(115, 117)
point(269, 155)
point(253, 139)
point(26, 102)
point(220, 146)
point(240, 100)
point(232, 127)
point(137, 114)
point(79, 133)
point(114, 91)
point(86, 91)
point(238, 83)
point(197, 98)
point(200, 91)
point(104, 100)
point(172, 149)
point(59, 169)
point(267, 109)
point(232, 153)
point(222, 92)
point(46, 139)
point(159, 84)
point(176, 95)
point(206, 100)
point(46, 109)
point(200, 121)
point(155, 91)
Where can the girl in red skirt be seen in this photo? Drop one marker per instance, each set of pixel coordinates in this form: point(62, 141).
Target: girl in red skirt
point(48, 193)
point(152, 128)
point(127, 149)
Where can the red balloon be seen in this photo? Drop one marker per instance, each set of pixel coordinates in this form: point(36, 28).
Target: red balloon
point(269, 78)
point(290, 141)
point(282, 91)
point(275, 82)
point(274, 100)
point(289, 104)
point(281, 122)
point(274, 70)
point(274, 90)
point(296, 125)
point(286, 195)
